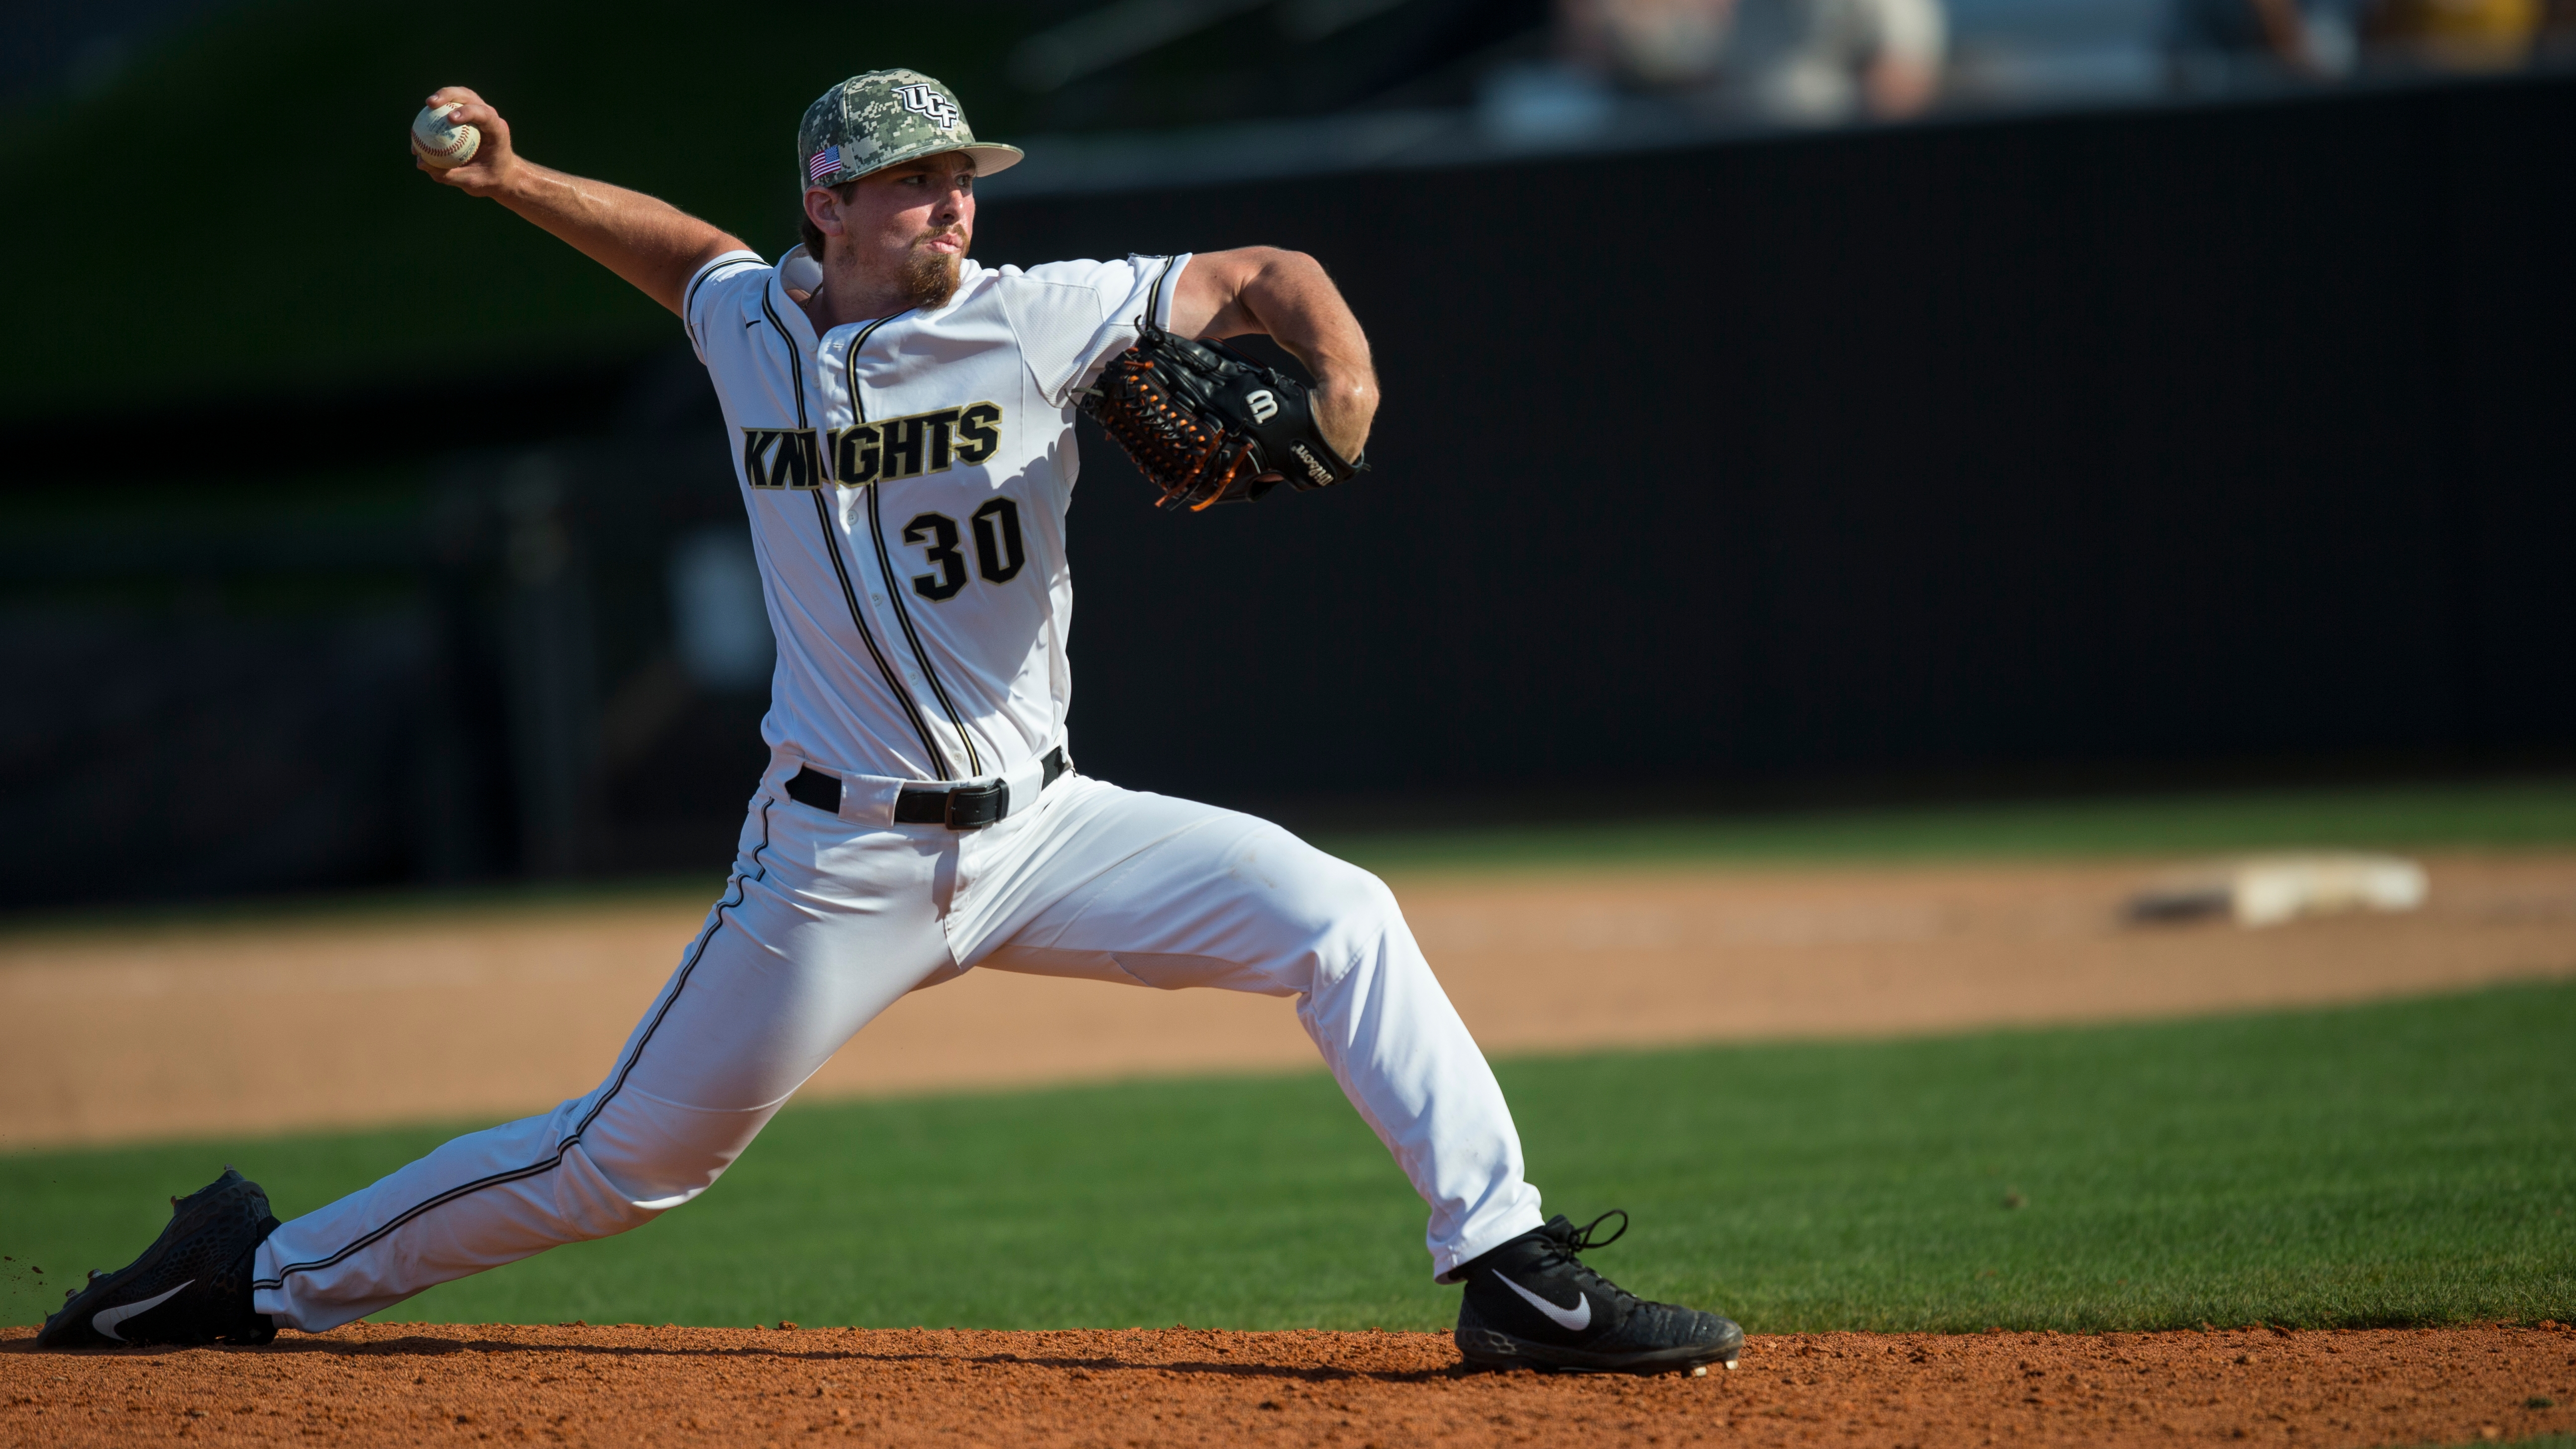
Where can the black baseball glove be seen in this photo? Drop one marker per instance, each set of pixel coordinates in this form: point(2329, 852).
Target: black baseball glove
point(1207, 424)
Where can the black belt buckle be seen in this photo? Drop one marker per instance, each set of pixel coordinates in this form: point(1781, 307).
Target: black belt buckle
point(972, 807)
point(967, 807)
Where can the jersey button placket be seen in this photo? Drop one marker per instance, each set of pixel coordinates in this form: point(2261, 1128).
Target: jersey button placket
point(832, 361)
point(838, 374)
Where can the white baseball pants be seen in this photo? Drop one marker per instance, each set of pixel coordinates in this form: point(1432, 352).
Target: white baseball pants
point(827, 921)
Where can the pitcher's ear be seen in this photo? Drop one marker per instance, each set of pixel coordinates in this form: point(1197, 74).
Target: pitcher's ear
point(824, 210)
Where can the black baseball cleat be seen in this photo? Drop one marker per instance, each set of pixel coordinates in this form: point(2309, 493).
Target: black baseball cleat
point(191, 1286)
point(1532, 1304)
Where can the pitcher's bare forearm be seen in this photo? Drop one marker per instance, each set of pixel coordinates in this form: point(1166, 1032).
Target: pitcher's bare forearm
point(650, 243)
point(1288, 297)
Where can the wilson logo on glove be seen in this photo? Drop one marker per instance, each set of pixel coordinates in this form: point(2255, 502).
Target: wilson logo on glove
point(1208, 425)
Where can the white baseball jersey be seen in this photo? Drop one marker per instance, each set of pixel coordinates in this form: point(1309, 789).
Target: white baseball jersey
point(907, 480)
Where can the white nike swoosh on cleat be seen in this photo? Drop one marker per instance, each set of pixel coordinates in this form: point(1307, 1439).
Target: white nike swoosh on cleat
point(1572, 1320)
point(106, 1319)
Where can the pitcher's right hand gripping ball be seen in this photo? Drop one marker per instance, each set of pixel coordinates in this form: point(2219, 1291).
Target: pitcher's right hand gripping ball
point(459, 140)
point(1207, 424)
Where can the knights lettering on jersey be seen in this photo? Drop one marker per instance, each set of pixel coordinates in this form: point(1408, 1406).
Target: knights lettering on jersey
point(909, 447)
point(920, 635)
point(781, 458)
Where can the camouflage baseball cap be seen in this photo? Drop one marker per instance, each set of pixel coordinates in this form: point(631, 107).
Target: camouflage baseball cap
point(882, 118)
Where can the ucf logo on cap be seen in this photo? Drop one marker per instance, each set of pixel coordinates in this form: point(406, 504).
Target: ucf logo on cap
point(922, 100)
point(884, 118)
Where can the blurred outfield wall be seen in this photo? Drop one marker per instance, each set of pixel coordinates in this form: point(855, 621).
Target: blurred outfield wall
point(2146, 437)
point(2140, 443)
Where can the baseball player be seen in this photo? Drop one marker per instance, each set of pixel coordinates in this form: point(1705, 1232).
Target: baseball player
point(902, 426)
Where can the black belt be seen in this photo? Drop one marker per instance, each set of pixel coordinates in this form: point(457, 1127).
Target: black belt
point(959, 807)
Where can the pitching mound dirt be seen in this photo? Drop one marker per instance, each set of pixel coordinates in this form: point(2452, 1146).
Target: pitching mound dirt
point(577, 1384)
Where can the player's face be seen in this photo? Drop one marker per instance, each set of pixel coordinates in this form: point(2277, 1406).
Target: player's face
point(901, 218)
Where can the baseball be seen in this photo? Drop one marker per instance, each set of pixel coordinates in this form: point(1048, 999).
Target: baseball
point(440, 144)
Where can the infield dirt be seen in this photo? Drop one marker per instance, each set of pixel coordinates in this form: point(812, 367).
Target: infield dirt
point(577, 1384)
point(356, 1021)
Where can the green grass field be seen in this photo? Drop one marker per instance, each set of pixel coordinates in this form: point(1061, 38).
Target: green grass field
point(2408, 1163)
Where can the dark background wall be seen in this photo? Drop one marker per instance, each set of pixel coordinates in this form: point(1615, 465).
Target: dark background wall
point(2129, 439)
point(2127, 447)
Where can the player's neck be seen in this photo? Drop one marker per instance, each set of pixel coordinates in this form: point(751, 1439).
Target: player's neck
point(856, 293)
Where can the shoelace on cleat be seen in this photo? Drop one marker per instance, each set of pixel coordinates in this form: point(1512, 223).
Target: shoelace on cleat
point(1583, 1241)
point(1562, 1247)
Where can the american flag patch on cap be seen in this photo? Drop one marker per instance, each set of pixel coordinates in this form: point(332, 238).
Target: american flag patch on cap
point(823, 163)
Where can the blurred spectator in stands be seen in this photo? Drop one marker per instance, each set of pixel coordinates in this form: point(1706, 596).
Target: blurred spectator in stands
point(1792, 60)
point(2219, 45)
point(2557, 45)
point(2455, 35)
point(1656, 45)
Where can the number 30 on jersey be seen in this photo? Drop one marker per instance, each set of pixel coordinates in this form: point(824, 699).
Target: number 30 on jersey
point(999, 551)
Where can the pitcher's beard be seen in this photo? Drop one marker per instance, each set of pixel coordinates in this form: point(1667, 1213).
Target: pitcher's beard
point(929, 278)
